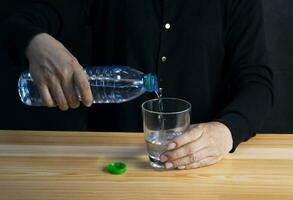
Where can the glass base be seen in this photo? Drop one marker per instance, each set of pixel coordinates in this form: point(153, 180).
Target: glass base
point(156, 163)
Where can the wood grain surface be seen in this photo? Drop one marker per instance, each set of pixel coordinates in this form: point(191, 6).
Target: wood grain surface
point(71, 165)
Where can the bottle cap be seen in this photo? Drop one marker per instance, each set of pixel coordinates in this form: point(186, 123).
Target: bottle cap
point(116, 168)
point(152, 83)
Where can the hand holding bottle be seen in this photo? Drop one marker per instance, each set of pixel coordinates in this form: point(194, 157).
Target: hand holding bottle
point(57, 73)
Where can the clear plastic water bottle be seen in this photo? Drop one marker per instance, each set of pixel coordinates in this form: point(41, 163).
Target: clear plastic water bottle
point(109, 84)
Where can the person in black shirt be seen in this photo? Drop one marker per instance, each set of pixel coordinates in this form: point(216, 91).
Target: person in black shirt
point(211, 53)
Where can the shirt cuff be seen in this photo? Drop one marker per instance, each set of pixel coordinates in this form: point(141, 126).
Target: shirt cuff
point(239, 127)
point(16, 39)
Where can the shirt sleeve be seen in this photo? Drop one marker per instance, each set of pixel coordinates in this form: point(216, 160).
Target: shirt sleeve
point(54, 17)
point(250, 77)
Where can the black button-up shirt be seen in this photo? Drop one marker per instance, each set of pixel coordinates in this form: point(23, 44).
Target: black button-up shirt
point(209, 52)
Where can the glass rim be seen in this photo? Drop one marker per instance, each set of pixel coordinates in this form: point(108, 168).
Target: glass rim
point(166, 113)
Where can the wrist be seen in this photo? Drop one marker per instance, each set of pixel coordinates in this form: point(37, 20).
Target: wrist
point(227, 133)
point(33, 45)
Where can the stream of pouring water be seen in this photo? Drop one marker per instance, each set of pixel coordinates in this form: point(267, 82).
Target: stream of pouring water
point(162, 133)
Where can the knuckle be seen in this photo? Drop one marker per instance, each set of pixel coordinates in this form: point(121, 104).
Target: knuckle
point(70, 94)
point(58, 93)
point(61, 103)
point(189, 136)
point(202, 163)
point(181, 152)
point(72, 61)
point(184, 138)
point(192, 158)
point(211, 141)
point(193, 135)
point(37, 76)
point(171, 155)
point(84, 85)
point(201, 126)
point(39, 81)
point(41, 62)
point(44, 64)
point(66, 74)
point(189, 151)
point(48, 76)
point(52, 80)
point(176, 163)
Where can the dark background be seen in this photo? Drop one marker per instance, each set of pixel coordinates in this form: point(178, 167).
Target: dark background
point(278, 16)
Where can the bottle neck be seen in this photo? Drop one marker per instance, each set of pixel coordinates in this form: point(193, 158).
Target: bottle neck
point(151, 83)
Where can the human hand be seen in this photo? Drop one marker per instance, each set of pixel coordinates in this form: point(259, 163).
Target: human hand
point(57, 73)
point(204, 144)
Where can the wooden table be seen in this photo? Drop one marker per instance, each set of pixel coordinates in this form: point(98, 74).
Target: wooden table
point(70, 165)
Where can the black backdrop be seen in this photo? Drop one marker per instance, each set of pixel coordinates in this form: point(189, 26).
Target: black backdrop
point(279, 30)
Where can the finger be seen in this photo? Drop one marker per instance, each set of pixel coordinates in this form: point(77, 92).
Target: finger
point(70, 93)
point(193, 158)
point(202, 163)
point(46, 96)
point(190, 136)
point(83, 86)
point(58, 95)
point(185, 150)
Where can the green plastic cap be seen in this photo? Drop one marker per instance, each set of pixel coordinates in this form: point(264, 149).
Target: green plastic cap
point(151, 83)
point(116, 168)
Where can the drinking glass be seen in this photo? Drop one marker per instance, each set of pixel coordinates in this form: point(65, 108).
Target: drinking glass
point(163, 120)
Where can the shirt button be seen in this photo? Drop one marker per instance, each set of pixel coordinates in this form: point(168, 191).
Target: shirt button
point(167, 26)
point(164, 59)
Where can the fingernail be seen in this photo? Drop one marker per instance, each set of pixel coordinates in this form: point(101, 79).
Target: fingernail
point(163, 158)
point(171, 146)
point(169, 165)
point(88, 104)
point(182, 167)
